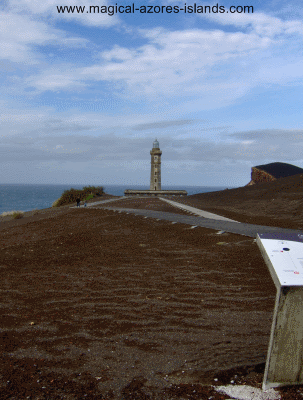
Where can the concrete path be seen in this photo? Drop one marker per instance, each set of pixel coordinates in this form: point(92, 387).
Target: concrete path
point(197, 211)
point(100, 202)
point(227, 226)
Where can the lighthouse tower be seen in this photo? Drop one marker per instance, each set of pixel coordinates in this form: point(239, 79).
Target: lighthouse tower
point(155, 178)
point(155, 173)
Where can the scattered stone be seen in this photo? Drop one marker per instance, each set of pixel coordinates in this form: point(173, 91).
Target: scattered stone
point(245, 392)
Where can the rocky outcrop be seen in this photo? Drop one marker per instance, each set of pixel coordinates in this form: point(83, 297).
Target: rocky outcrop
point(273, 171)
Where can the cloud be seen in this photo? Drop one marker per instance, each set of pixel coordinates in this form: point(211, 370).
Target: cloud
point(188, 62)
point(63, 145)
point(254, 147)
point(48, 8)
point(161, 125)
point(173, 61)
point(19, 34)
point(262, 24)
point(270, 135)
point(182, 64)
point(56, 78)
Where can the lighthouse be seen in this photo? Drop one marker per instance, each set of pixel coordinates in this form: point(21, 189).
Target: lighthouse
point(155, 178)
point(155, 171)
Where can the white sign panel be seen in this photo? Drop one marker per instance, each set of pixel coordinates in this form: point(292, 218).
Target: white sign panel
point(285, 256)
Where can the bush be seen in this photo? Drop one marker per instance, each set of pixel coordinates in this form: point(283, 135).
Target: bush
point(17, 215)
point(56, 203)
point(70, 196)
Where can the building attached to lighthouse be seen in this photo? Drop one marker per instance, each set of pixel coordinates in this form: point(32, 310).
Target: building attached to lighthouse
point(155, 172)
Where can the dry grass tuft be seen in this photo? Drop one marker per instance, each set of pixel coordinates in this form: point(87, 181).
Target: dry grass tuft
point(14, 214)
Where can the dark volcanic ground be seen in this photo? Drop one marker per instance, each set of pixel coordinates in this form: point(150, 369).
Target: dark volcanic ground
point(101, 305)
point(278, 203)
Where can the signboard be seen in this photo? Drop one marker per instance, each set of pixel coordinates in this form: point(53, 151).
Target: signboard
point(283, 255)
point(284, 252)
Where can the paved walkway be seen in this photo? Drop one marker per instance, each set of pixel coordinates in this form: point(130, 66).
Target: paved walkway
point(197, 211)
point(227, 226)
point(100, 202)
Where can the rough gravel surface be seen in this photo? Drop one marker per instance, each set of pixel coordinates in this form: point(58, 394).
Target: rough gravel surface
point(100, 305)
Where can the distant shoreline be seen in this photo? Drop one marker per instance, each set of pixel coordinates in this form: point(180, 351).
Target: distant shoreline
point(28, 197)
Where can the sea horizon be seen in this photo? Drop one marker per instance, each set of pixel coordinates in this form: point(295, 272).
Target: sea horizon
point(28, 196)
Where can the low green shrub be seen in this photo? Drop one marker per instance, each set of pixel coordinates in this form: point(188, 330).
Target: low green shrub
point(56, 203)
point(18, 215)
point(70, 196)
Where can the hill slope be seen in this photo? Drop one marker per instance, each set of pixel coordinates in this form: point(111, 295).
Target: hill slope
point(278, 203)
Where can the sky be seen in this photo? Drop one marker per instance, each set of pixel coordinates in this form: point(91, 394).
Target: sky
point(84, 95)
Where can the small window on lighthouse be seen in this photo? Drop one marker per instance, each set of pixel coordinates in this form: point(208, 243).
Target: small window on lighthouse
point(155, 180)
point(155, 173)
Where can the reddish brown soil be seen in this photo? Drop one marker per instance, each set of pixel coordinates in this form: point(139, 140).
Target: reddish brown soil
point(37, 215)
point(100, 305)
point(278, 203)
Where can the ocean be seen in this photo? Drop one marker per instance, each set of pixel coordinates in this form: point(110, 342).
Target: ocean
point(27, 197)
